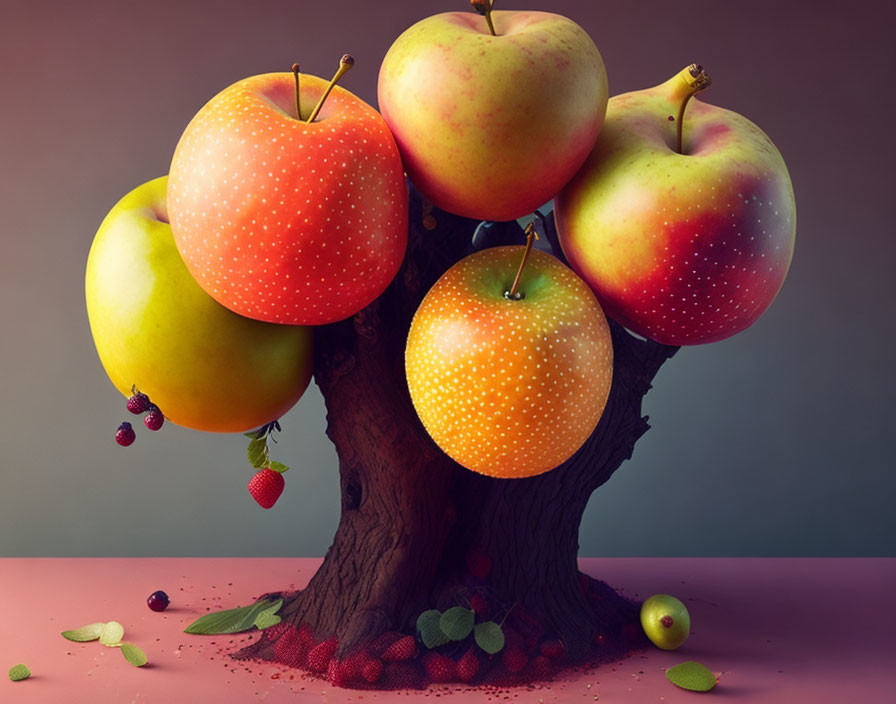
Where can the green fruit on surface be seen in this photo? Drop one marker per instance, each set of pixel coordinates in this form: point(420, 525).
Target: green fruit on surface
point(665, 621)
point(204, 366)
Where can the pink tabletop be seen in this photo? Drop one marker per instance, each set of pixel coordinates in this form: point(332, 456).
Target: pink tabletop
point(773, 630)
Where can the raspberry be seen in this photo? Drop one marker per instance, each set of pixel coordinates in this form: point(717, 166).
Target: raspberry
point(552, 648)
point(479, 563)
point(541, 667)
point(479, 605)
point(515, 659)
point(154, 419)
point(402, 649)
point(266, 486)
point(138, 403)
point(158, 601)
point(321, 654)
point(337, 673)
point(373, 671)
point(440, 668)
point(291, 648)
point(125, 434)
point(468, 666)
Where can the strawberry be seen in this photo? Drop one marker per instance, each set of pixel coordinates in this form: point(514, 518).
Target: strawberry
point(373, 671)
point(266, 486)
point(154, 418)
point(541, 667)
point(138, 403)
point(320, 655)
point(291, 648)
point(468, 666)
point(402, 649)
point(125, 434)
point(515, 659)
point(552, 648)
point(440, 668)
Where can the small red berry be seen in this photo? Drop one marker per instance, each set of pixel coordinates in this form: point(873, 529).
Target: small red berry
point(373, 671)
point(320, 655)
point(154, 419)
point(138, 403)
point(266, 485)
point(440, 668)
point(402, 649)
point(515, 659)
point(468, 666)
point(479, 605)
point(125, 434)
point(552, 648)
point(158, 601)
point(541, 667)
point(291, 648)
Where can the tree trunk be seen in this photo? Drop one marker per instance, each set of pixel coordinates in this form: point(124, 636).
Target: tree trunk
point(419, 532)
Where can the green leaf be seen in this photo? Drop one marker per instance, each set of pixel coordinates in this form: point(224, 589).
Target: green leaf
point(268, 617)
point(428, 623)
point(17, 673)
point(112, 634)
point(258, 453)
point(278, 467)
point(232, 620)
point(253, 434)
point(692, 676)
point(457, 622)
point(133, 654)
point(85, 633)
point(489, 637)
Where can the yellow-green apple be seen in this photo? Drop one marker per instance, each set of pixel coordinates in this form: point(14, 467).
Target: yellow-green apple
point(682, 224)
point(286, 220)
point(509, 385)
point(203, 365)
point(491, 127)
point(665, 621)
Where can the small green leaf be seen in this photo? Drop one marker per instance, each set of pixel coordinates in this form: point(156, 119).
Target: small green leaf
point(112, 634)
point(428, 623)
point(17, 673)
point(692, 676)
point(268, 617)
point(253, 434)
point(133, 654)
point(278, 467)
point(457, 622)
point(489, 637)
point(85, 633)
point(258, 452)
point(232, 620)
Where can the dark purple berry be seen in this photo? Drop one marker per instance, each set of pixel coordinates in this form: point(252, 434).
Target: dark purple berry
point(138, 403)
point(154, 420)
point(125, 434)
point(158, 601)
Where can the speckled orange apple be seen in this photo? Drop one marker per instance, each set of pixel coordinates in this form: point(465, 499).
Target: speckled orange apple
point(509, 388)
point(283, 220)
point(491, 127)
point(204, 366)
point(685, 244)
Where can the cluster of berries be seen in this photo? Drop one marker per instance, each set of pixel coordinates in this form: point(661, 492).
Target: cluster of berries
point(139, 403)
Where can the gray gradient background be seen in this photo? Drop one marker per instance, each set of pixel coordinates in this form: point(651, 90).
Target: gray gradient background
point(776, 442)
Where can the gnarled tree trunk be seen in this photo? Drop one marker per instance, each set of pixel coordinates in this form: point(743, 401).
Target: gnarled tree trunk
point(419, 532)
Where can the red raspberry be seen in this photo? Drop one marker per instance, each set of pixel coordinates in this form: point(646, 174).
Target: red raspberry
point(321, 654)
point(266, 486)
point(125, 434)
point(468, 666)
point(402, 649)
point(479, 563)
point(541, 667)
point(373, 671)
point(552, 648)
point(479, 605)
point(291, 648)
point(515, 659)
point(138, 403)
point(440, 668)
point(338, 673)
point(154, 419)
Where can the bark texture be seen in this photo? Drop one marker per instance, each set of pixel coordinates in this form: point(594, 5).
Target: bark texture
point(418, 531)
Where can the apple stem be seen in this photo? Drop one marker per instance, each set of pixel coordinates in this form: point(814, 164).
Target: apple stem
point(345, 63)
point(484, 7)
point(695, 79)
point(531, 236)
point(295, 72)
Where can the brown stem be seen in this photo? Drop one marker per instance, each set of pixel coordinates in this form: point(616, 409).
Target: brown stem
point(531, 236)
point(295, 72)
point(345, 63)
point(484, 7)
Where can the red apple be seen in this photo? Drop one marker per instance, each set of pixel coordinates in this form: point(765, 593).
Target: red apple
point(507, 387)
point(683, 244)
point(283, 220)
point(491, 127)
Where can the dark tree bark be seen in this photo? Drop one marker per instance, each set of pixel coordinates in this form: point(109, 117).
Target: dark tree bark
point(418, 531)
